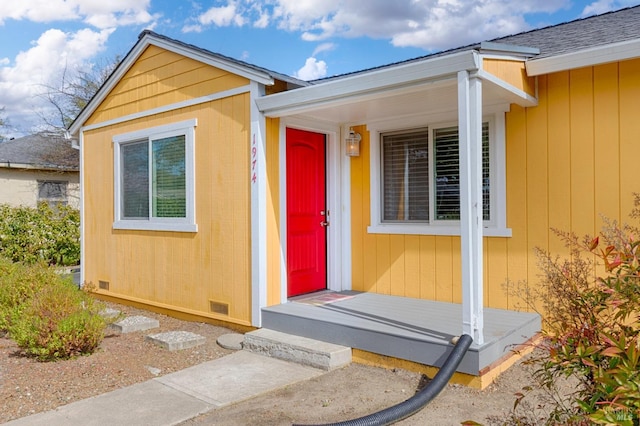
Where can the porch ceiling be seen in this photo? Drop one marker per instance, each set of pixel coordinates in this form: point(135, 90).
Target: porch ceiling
point(425, 88)
point(428, 99)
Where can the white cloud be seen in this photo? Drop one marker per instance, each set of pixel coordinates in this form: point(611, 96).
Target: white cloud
point(324, 47)
point(223, 16)
point(99, 13)
point(195, 28)
point(312, 70)
point(23, 78)
point(23, 81)
point(597, 7)
point(426, 24)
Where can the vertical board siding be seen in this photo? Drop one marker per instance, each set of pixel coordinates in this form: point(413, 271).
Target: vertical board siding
point(629, 145)
point(569, 160)
point(178, 270)
point(274, 253)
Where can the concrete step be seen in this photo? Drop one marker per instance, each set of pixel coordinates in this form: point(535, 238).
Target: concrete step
point(176, 340)
point(301, 350)
point(135, 323)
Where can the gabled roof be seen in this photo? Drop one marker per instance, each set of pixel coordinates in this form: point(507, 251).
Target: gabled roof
point(147, 38)
point(582, 34)
point(41, 151)
point(237, 64)
point(600, 30)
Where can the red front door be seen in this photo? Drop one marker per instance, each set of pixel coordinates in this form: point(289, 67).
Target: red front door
point(306, 212)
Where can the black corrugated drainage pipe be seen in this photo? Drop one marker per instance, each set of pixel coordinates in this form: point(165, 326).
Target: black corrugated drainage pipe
point(417, 402)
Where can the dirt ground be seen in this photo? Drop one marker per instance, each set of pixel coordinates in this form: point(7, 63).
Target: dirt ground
point(28, 386)
point(359, 390)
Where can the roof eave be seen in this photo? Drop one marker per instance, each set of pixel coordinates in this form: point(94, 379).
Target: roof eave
point(368, 84)
point(146, 40)
point(583, 58)
point(26, 166)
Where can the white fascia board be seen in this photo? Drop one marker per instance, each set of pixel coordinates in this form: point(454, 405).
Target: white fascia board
point(229, 66)
point(102, 93)
point(368, 84)
point(134, 54)
point(584, 58)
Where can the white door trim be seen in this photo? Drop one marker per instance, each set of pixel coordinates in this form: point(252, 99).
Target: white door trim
point(335, 239)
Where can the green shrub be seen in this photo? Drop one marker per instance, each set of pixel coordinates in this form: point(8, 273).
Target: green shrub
point(30, 235)
point(591, 326)
point(59, 322)
point(18, 284)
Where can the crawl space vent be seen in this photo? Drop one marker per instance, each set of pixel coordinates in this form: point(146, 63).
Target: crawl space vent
point(103, 285)
point(219, 307)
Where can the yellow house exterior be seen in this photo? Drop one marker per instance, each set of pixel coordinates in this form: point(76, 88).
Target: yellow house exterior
point(561, 142)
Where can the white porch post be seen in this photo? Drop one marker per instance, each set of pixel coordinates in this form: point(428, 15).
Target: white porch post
point(470, 137)
point(258, 179)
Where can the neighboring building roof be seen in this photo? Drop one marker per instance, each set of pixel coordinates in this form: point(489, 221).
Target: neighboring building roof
point(41, 151)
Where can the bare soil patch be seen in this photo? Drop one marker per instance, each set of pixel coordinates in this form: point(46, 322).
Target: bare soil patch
point(28, 386)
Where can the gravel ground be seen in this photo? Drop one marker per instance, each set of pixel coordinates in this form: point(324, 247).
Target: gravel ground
point(28, 386)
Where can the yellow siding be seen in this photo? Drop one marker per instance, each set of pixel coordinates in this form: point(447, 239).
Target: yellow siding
point(273, 212)
point(160, 77)
point(174, 270)
point(513, 72)
point(569, 159)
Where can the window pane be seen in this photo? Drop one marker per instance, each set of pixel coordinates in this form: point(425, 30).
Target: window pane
point(48, 190)
point(486, 193)
point(135, 180)
point(406, 176)
point(169, 177)
point(52, 192)
point(447, 173)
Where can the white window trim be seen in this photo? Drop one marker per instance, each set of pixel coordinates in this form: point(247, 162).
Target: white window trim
point(496, 227)
point(186, 224)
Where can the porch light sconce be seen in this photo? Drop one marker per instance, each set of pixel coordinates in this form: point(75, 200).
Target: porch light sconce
point(352, 142)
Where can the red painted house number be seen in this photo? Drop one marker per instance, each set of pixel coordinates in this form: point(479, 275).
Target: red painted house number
point(254, 160)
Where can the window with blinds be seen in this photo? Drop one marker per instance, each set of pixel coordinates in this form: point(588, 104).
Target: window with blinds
point(159, 183)
point(135, 180)
point(155, 178)
point(405, 164)
point(169, 179)
point(447, 173)
point(411, 192)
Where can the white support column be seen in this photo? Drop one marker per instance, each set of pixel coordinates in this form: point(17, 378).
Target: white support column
point(258, 179)
point(470, 139)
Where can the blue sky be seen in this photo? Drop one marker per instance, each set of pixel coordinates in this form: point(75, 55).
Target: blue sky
point(305, 38)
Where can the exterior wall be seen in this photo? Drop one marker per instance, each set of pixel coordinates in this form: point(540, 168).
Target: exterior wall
point(569, 160)
point(273, 213)
point(20, 186)
point(160, 77)
point(513, 72)
point(175, 270)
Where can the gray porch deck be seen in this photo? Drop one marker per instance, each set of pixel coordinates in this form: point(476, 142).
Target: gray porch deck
point(400, 327)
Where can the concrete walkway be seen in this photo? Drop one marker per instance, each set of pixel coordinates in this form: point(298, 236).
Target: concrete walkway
point(176, 397)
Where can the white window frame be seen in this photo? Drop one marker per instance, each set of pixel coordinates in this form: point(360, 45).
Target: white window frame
point(186, 224)
point(495, 227)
